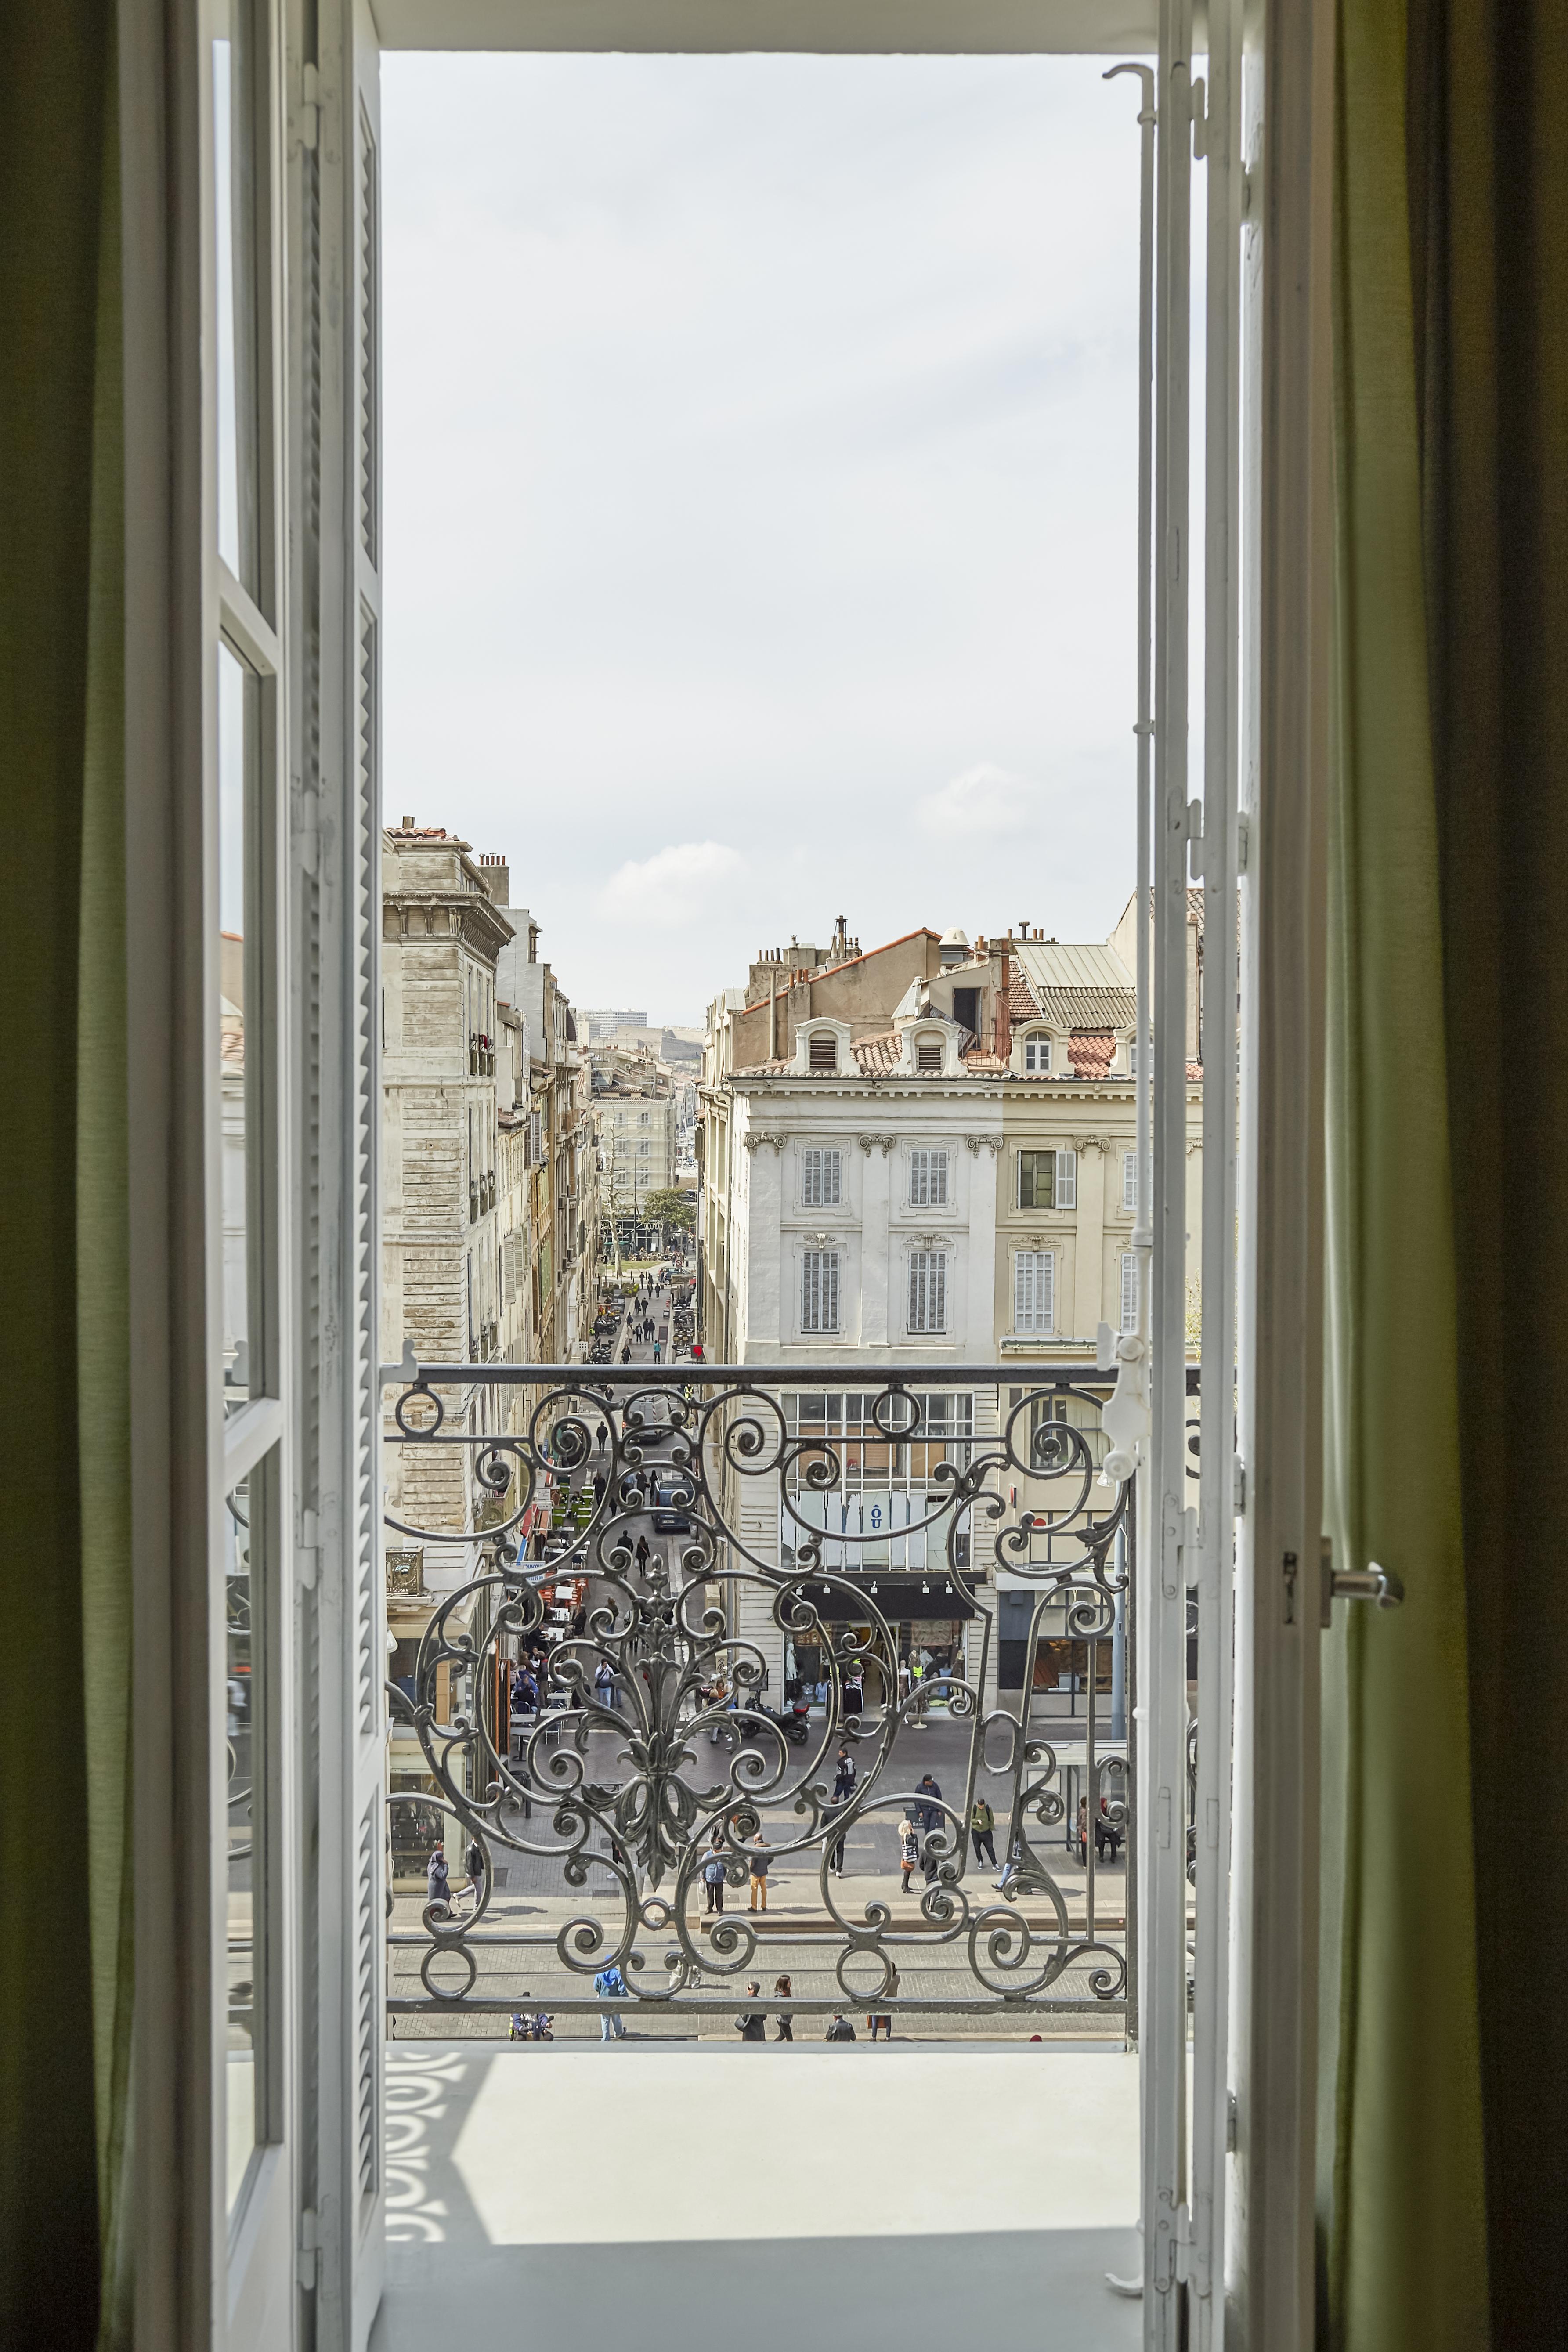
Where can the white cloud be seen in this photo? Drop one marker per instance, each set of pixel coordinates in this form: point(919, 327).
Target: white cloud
point(678, 880)
point(985, 799)
point(756, 461)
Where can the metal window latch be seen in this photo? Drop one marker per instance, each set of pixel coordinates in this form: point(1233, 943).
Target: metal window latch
point(1369, 1583)
point(1124, 1417)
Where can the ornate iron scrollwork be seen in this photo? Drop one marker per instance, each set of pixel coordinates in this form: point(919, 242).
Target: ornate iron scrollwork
point(654, 1755)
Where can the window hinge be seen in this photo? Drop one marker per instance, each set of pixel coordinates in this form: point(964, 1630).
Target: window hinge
point(310, 107)
point(1195, 839)
point(1187, 2245)
point(309, 2247)
point(307, 1550)
point(1203, 123)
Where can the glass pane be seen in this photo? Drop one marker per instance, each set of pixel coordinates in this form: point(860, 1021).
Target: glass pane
point(235, 81)
point(239, 749)
point(246, 1719)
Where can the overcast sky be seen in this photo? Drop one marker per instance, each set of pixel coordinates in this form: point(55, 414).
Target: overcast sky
point(760, 497)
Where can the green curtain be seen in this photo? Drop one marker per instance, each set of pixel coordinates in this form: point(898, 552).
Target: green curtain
point(1486, 180)
point(1443, 2191)
point(65, 1923)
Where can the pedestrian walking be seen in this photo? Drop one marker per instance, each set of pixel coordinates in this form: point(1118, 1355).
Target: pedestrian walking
point(610, 1985)
point(476, 1868)
point(603, 1438)
point(880, 2023)
point(604, 1686)
point(713, 1874)
point(784, 2027)
point(643, 1550)
point(981, 1823)
point(908, 1848)
point(658, 1353)
point(854, 1692)
point(928, 1812)
point(438, 1884)
point(757, 1861)
point(752, 2025)
point(839, 2029)
point(836, 1849)
point(843, 1775)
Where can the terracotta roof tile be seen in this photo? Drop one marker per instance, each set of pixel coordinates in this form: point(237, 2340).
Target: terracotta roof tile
point(1091, 1052)
point(1021, 1002)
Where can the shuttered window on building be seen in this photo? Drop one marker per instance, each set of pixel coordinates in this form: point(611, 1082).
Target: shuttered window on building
point(927, 1290)
point(1033, 1290)
point(927, 1179)
point(822, 1179)
point(819, 1291)
point(1129, 1291)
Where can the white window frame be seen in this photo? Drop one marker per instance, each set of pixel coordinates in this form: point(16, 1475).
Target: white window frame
point(1033, 1270)
point(929, 1169)
point(1038, 1054)
point(332, 846)
point(1130, 1182)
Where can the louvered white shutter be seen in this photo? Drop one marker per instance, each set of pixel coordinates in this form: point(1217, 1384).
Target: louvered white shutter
point(1067, 1179)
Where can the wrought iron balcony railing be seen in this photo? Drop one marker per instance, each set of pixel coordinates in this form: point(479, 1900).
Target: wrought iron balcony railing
point(600, 1720)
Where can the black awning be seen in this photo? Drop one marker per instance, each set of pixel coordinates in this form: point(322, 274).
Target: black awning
point(898, 1597)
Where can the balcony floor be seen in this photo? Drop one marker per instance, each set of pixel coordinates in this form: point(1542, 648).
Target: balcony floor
point(832, 2196)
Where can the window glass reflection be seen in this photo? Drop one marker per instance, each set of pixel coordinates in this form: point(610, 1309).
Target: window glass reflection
point(235, 85)
point(245, 1721)
point(238, 719)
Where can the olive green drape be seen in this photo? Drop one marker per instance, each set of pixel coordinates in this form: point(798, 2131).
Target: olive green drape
point(65, 1916)
point(1444, 2189)
point(1487, 107)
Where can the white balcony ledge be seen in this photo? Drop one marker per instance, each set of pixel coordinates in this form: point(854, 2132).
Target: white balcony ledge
point(836, 2196)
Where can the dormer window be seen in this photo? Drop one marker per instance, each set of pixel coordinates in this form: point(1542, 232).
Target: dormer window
point(928, 1056)
point(1038, 1054)
point(824, 1055)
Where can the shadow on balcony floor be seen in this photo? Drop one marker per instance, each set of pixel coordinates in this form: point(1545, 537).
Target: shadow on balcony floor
point(835, 2197)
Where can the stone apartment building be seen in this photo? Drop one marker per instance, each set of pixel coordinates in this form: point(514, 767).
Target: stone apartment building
point(560, 1158)
point(923, 1153)
point(635, 1116)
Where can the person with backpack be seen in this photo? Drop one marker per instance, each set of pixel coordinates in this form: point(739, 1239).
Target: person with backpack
point(981, 1823)
point(908, 1848)
point(843, 1775)
point(610, 1985)
point(713, 1875)
point(604, 1689)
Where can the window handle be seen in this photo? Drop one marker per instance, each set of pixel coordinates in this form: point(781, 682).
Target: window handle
point(1369, 1583)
